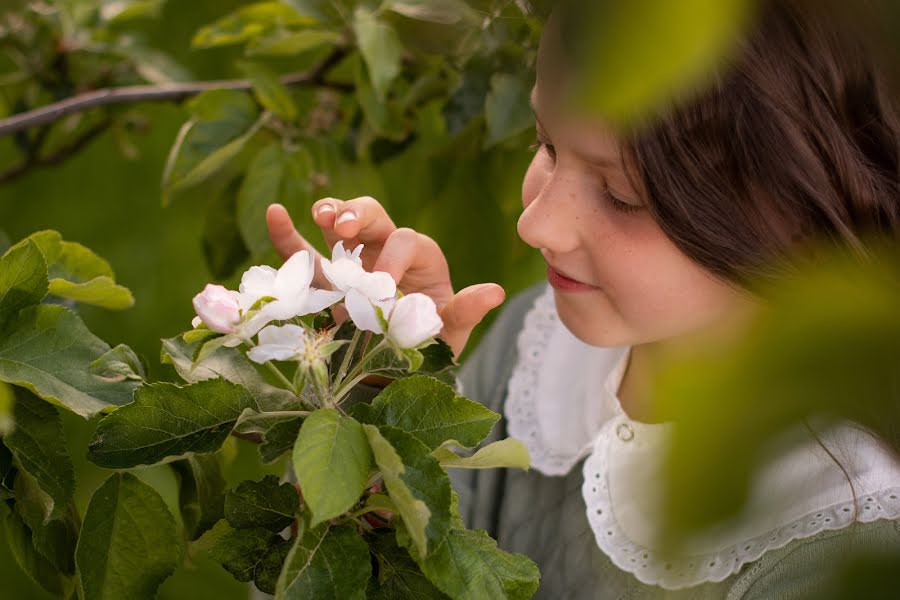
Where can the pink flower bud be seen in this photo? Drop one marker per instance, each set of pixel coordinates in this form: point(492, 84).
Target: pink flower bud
point(218, 308)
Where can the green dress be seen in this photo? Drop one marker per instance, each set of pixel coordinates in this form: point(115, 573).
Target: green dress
point(545, 517)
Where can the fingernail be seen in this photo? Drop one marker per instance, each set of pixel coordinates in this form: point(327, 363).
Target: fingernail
point(345, 218)
point(325, 208)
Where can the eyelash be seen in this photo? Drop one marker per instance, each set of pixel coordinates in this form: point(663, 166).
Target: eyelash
point(622, 207)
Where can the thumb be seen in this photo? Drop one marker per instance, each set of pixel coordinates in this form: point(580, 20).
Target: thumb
point(467, 309)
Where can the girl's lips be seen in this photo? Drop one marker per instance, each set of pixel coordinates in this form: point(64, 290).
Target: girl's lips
point(563, 283)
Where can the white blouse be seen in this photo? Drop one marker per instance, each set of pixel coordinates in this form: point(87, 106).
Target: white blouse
point(562, 403)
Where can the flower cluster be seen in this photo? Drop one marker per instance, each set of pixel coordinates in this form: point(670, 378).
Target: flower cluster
point(267, 295)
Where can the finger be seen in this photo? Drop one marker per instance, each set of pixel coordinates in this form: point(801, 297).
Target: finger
point(466, 310)
point(363, 219)
point(324, 212)
point(398, 253)
point(285, 237)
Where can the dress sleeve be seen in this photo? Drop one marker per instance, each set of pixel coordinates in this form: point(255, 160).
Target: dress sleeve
point(810, 568)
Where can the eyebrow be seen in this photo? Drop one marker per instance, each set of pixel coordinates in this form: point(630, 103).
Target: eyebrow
point(601, 162)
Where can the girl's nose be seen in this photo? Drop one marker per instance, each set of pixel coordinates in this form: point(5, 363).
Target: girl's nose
point(548, 220)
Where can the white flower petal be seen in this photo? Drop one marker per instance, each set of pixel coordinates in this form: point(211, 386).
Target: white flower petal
point(377, 286)
point(414, 320)
point(233, 341)
point(258, 281)
point(263, 354)
point(295, 275)
point(319, 300)
point(362, 312)
point(289, 335)
point(343, 273)
point(196, 322)
point(251, 326)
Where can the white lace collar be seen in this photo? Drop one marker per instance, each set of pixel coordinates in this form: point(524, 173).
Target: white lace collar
point(562, 404)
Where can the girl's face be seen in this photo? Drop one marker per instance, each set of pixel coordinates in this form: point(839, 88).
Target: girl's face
point(592, 226)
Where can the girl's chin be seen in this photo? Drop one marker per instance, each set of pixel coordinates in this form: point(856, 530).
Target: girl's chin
point(595, 327)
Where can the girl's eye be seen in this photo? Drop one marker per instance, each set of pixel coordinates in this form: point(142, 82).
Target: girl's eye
point(538, 144)
point(618, 205)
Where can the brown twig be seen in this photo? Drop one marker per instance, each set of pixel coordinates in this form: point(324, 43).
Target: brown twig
point(159, 93)
point(55, 158)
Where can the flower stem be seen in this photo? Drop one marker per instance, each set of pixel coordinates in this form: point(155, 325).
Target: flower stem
point(288, 413)
point(358, 372)
point(348, 357)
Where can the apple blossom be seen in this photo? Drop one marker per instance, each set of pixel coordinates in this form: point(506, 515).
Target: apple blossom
point(280, 343)
point(363, 290)
point(290, 288)
point(218, 308)
point(413, 320)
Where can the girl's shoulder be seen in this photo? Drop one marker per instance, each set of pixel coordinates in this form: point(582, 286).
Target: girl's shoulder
point(512, 371)
point(812, 567)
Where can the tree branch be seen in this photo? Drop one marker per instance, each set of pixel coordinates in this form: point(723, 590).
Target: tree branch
point(159, 93)
point(60, 155)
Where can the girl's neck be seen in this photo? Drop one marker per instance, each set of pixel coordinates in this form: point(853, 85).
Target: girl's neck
point(636, 389)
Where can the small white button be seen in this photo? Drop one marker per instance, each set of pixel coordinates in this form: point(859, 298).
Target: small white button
point(625, 432)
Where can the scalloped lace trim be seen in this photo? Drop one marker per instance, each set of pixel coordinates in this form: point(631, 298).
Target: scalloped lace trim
point(546, 349)
point(670, 572)
point(520, 407)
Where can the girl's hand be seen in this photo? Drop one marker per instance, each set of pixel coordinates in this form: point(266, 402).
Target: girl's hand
point(414, 260)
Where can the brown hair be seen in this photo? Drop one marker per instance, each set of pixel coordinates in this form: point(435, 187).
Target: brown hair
point(798, 138)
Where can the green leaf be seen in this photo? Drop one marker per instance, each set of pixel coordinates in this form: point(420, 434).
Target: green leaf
point(53, 537)
point(291, 43)
point(504, 453)
point(32, 563)
point(324, 11)
point(222, 122)
point(231, 364)
point(39, 444)
point(437, 363)
point(507, 110)
point(23, 279)
point(269, 568)
point(332, 460)
point(223, 247)
point(166, 420)
point(116, 13)
point(77, 273)
point(445, 12)
point(278, 439)
point(275, 174)
point(398, 575)
point(380, 48)
point(120, 364)
point(201, 493)
point(432, 412)
point(326, 563)
point(269, 90)
point(247, 23)
point(102, 292)
point(467, 564)
point(128, 544)
point(49, 350)
point(417, 485)
point(264, 503)
point(241, 551)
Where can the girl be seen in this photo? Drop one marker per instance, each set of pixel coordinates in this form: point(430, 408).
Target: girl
point(649, 238)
